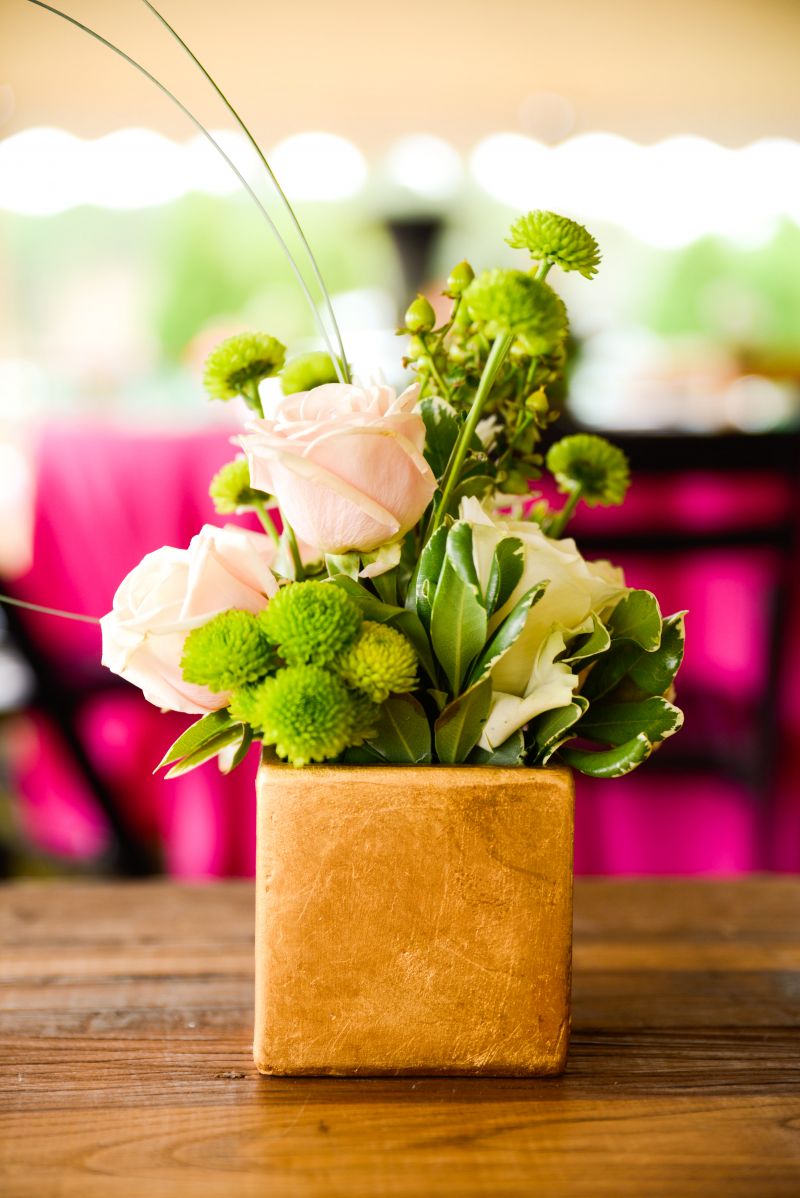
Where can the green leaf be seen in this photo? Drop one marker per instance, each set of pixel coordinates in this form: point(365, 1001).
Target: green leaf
point(618, 723)
point(209, 749)
point(510, 753)
point(409, 623)
point(591, 644)
point(553, 728)
point(459, 727)
point(609, 763)
point(506, 634)
point(606, 674)
point(361, 755)
point(629, 672)
point(430, 568)
point(458, 625)
point(196, 735)
point(508, 562)
point(654, 672)
point(476, 486)
point(242, 751)
point(371, 607)
point(442, 426)
point(458, 618)
point(386, 586)
point(458, 551)
point(403, 734)
point(637, 617)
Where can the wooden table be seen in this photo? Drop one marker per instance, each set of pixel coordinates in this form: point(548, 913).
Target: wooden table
point(125, 1064)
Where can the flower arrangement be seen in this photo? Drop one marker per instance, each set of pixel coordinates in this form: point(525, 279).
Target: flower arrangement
point(411, 600)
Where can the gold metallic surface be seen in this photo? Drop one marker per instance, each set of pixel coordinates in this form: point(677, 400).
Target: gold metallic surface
point(413, 920)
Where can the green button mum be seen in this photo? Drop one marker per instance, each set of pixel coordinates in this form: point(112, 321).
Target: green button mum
point(549, 237)
point(591, 466)
point(230, 651)
point(238, 365)
point(230, 488)
point(380, 663)
point(308, 714)
point(512, 301)
point(307, 371)
point(311, 622)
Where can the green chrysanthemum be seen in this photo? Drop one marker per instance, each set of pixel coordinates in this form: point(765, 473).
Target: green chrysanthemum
point(592, 466)
point(549, 237)
point(230, 651)
point(308, 714)
point(245, 706)
point(308, 371)
point(511, 301)
point(380, 663)
point(311, 622)
point(230, 488)
point(238, 365)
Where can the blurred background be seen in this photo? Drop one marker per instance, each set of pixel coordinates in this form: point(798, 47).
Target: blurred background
point(408, 136)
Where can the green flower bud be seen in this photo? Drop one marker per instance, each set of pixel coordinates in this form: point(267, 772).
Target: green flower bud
point(308, 714)
point(552, 238)
point(238, 365)
point(311, 622)
point(230, 488)
point(537, 403)
point(459, 279)
point(380, 663)
point(228, 652)
point(512, 301)
point(420, 316)
point(592, 465)
point(307, 371)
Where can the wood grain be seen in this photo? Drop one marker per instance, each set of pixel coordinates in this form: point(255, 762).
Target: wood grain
point(126, 1069)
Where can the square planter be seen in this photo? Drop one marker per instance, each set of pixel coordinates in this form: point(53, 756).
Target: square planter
point(413, 920)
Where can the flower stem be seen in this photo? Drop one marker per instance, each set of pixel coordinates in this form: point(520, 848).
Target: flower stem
point(48, 611)
point(252, 397)
point(442, 385)
point(291, 541)
point(500, 347)
point(260, 508)
point(339, 360)
point(202, 129)
point(563, 517)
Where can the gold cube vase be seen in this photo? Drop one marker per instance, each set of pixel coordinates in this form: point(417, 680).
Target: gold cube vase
point(413, 920)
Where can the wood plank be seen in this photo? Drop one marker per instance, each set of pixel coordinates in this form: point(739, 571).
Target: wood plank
point(125, 1066)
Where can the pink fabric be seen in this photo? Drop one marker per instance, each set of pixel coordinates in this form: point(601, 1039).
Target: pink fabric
point(107, 497)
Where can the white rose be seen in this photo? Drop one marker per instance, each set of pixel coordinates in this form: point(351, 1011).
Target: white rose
point(173, 591)
point(528, 680)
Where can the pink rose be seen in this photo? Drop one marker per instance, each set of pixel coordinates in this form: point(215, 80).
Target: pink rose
point(171, 592)
point(345, 464)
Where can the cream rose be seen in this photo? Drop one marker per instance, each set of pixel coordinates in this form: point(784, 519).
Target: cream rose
point(345, 464)
point(528, 680)
point(171, 592)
